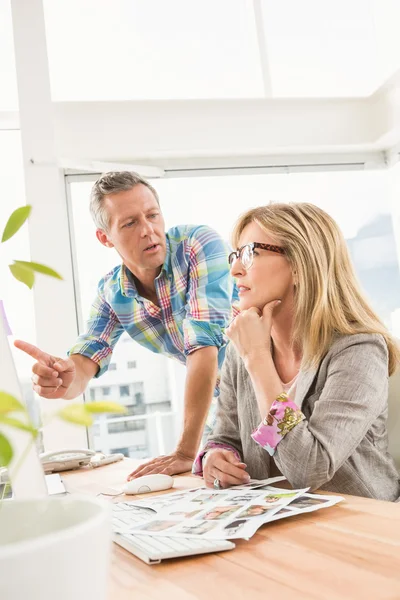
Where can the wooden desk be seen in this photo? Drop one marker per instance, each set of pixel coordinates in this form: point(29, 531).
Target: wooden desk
point(348, 551)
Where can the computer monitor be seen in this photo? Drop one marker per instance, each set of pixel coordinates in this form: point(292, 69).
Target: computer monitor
point(26, 471)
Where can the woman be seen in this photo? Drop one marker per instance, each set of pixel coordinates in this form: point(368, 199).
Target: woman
point(305, 381)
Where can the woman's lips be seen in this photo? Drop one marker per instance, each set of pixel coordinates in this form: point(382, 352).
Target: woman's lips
point(243, 290)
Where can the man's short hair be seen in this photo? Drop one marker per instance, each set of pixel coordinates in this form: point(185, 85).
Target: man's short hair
point(112, 183)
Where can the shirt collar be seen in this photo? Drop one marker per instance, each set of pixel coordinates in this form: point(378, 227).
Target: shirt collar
point(127, 283)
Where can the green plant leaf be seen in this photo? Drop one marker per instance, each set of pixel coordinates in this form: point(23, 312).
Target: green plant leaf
point(10, 404)
point(39, 268)
point(6, 451)
point(105, 407)
point(76, 413)
point(23, 274)
point(15, 222)
point(19, 425)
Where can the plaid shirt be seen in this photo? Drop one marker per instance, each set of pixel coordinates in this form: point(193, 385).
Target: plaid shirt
point(195, 293)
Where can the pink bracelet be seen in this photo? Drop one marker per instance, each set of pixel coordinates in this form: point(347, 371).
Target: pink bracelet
point(282, 417)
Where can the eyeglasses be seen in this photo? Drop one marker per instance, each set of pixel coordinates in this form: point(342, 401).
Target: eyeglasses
point(246, 253)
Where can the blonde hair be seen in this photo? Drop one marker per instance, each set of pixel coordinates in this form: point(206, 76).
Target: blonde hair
point(328, 298)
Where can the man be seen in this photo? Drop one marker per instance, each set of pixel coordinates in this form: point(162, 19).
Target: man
point(173, 293)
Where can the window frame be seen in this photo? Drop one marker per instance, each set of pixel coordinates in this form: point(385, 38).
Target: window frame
point(177, 405)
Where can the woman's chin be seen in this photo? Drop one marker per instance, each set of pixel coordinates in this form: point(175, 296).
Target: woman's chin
point(246, 303)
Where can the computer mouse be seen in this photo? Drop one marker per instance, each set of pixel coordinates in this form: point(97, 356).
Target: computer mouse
point(148, 483)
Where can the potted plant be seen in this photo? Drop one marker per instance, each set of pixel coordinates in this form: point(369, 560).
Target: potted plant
point(49, 547)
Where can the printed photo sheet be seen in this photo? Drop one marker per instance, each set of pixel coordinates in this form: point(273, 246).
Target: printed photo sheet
point(235, 512)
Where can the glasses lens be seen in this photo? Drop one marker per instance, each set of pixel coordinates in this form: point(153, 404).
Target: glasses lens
point(231, 257)
point(246, 257)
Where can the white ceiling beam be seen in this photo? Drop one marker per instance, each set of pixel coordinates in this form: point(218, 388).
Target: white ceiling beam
point(136, 131)
point(175, 134)
point(385, 102)
point(94, 166)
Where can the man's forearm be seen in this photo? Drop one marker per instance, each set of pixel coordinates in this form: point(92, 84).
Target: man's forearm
point(201, 376)
point(85, 370)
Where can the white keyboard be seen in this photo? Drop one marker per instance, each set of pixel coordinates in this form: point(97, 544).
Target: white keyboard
point(153, 550)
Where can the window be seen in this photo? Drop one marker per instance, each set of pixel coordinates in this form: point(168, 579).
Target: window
point(313, 48)
point(112, 367)
point(219, 60)
point(124, 390)
point(322, 49)
point(124, 451)
point(139, 399)
point(359, 201)
point(105, 391)
point(131, 364)
point(92, 393)
point(126, 426)
point(137, 451)
point(158, 407)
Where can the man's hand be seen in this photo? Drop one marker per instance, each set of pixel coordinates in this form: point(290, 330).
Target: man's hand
point(52, 376)
point(224, 466)
point(171, 464)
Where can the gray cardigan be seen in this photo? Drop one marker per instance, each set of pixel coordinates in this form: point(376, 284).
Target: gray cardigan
point(342, 444)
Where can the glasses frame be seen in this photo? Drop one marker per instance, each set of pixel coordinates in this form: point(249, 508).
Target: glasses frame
point(252, 245)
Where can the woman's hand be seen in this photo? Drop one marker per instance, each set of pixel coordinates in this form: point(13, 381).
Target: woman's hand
point(224, 466)
point(250, 331)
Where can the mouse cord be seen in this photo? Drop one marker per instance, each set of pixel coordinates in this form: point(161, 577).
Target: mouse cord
point(111, 495)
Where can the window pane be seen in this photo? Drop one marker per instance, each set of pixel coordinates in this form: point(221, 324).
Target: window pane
point(386, 16)
point(8, 77)
point(331, 49)
point(360, 201)
point(124, 50)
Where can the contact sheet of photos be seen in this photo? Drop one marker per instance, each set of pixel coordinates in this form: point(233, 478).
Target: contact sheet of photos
point(236, 512)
